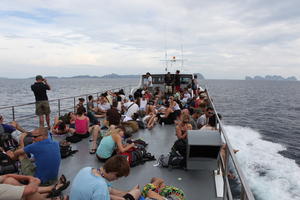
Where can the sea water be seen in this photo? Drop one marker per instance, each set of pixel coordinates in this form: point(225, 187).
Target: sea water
point(261, 119)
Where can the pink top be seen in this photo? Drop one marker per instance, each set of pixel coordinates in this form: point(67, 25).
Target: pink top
point(81, 125)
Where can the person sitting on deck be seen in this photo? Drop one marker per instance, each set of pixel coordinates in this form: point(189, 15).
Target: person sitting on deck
point(157, 190)
point(93, 183)
point(10, 131)
point(203, 119)
point(196, 114)
point(47, 157)
point(167, 117)
point(130, 107)
point(110, 142)
point(82, 123)
point(150, 117)
point(11, 188)
point(183, 126)
point(103, 105)
point(113, 117)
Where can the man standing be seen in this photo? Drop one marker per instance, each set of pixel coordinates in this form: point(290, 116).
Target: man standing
point(149, 82)
point(39, 89)
point(177, 81)
point(169, 83)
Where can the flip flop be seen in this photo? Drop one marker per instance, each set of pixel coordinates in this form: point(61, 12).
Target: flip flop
point(93, 151)
point(62, 179)
point(57, 191)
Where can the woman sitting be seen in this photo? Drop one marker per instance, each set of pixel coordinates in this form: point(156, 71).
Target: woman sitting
point(111, 142)
point(83, 130)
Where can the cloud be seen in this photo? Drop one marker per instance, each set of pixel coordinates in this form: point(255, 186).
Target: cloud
point(227, 39)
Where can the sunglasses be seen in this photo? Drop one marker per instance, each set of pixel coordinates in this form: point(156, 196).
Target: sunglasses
point(35, 136)
point(211, 113)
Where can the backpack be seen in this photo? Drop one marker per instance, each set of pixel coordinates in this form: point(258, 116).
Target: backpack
point(6, 140)
point(7, 165)
point(66, 149)
point(137, 156)
point(176, 158)
point(180, 146)
point(172, 160)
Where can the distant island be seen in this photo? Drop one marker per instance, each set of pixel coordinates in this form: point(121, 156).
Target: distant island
point(272, 77)
point(108, 76)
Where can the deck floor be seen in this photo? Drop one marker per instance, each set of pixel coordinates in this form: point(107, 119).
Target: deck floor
point(196, 184)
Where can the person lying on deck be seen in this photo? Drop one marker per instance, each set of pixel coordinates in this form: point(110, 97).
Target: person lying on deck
point(157, 190)
point(111, 143)
point(60, 127)
point(93, 183)
point(20, 187)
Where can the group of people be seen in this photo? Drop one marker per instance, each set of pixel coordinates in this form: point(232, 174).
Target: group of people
point(188, 108)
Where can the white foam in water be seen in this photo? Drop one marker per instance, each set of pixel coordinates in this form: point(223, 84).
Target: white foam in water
point(269, 174)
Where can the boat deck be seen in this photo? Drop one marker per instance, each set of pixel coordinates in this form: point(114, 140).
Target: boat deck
point(196, 184)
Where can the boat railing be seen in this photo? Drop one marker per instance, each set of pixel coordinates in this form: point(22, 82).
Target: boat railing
point(23, 112)
point(245, 191)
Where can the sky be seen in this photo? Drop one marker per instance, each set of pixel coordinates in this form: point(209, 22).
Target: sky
point(221, 39)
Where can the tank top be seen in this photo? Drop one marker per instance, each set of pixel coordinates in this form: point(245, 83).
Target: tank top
point(81, 126)
point(106, 147)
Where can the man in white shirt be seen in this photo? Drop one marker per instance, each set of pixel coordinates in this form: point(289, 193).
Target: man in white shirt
point(130, 107)
point(149, 81)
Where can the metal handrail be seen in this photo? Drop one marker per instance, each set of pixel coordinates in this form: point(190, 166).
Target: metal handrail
point(58, 100)
point(246, 192)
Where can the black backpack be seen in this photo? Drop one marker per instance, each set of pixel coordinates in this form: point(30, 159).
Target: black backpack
point(66, 149)
point(7, 165)
point(180, 146)
point(6, 140)
point(73, 139)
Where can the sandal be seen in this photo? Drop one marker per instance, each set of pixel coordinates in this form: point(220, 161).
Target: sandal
point(93, 151)
point(62, 179)
point(57, 191)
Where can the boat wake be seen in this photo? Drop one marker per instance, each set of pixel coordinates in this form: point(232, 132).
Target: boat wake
point(269, 174)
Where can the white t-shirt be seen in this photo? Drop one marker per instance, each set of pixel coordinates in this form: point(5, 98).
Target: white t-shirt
point(150, 81)
point(104, 106)
point(143, 104)
point(131, 109)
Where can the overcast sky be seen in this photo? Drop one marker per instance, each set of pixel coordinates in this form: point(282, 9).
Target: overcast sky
point(220, 38)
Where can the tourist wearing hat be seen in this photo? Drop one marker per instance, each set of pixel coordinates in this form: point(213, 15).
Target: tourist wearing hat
point(39, 89)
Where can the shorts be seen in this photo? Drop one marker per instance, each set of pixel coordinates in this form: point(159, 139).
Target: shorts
point(12, 192)
point(177, 88)
point(42, 108)
point(27, 167)
point(82, 136)
point(169, 89)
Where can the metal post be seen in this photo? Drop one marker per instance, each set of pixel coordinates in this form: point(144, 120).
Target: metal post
point(74, 105)
point(58, 104)
point(13, 113)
